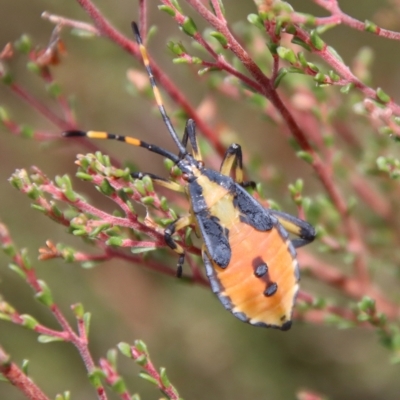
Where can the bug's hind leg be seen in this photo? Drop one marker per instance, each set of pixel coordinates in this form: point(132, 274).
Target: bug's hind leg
point(296, 226)
point(234, 160)
point(177, 225)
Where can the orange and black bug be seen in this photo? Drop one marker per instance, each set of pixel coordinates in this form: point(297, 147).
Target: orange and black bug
point(250, 260)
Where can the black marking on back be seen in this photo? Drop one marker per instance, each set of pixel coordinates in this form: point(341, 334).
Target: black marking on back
point(196, 197)
point(222, 180)
point(252, 212)
point(215, 238)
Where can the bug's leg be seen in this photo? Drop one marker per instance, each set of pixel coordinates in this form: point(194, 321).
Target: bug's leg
point(190, 133)
point(176, 187)
point(233, 159)
point(296, 226)
point(178, 224)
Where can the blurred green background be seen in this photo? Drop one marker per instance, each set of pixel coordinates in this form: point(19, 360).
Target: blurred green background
point(208, 353)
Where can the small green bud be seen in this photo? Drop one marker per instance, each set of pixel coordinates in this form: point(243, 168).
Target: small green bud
point(28, 321)
point(44, 296)
point(221, 38)
point(168, 10)
point(23, 44)
point(125, 349)
point(287, 54)
point(54, 89)
point(281, 74)
point(346, 88)
point(371, 27)
point(306, 156)
point(317, 42)
point(255, 20)
point(382, 96)
point(115, 241)
point(189, 27)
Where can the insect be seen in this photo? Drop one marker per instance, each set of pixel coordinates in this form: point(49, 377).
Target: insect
point(248, 256)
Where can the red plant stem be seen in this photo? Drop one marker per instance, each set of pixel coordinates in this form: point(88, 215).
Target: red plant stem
point(329, 274)
point(68, 334)
point(152, 371)
point(109, 31)
point(344, 71)
point(217, 9)
point(18, 379)
point(338, 16)
point(112, 377)
point(42, 109)
point(320, 315)
point(143, 17)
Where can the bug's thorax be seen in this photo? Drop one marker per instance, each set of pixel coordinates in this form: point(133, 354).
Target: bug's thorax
point(210, 191)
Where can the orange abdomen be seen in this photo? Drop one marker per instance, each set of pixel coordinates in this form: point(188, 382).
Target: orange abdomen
point(261, 296)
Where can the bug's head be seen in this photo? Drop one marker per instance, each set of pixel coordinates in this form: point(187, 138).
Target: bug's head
point(190, 167)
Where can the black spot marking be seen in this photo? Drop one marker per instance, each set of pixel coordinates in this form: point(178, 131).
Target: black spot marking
point(215, 238)
point(260, 267)
point(261, 270)
point(271, 289)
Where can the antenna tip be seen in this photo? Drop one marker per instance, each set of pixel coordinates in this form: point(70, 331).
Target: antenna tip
point(135, 29)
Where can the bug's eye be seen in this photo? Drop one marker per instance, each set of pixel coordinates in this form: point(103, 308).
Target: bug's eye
point(185, 177)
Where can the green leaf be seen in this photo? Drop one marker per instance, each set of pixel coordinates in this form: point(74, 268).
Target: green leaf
point(167, 9)
point(287, 54)
point(28, 321)
point(189, 27)
point(317, 42)
point(255, 20)
point(125, 349)
point(44, 296)
point(371, 27)
point(140, 250)
point(86, 321)
point(382, 96)
point(220, 37)
point(148, 378)
point(49, 339)
point(115, 241)
point(306, 156)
